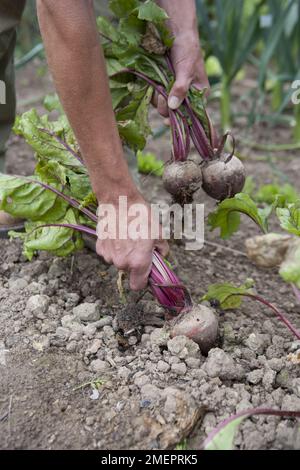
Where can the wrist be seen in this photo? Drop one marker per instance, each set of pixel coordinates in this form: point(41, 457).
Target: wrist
point(190, 37)
point(111, 193)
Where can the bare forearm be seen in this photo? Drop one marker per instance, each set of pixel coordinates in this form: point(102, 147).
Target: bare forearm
point(76, 61)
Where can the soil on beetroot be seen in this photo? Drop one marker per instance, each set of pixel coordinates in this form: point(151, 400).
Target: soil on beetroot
point(70, 380)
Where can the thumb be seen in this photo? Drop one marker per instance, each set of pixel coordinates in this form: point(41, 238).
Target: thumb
point(178, 91)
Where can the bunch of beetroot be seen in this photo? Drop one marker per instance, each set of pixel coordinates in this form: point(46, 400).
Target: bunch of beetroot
point(221, 175)
point(137, 51)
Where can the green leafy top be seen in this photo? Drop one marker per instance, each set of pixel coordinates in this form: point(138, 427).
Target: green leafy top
point(227, 295)
point(227, 215)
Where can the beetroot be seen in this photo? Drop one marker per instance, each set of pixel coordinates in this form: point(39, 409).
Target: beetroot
point(223, 178)
point(182, 179)
point(199, 324)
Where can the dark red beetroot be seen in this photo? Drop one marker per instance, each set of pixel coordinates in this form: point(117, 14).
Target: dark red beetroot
point(223, 178)
point(182, 179)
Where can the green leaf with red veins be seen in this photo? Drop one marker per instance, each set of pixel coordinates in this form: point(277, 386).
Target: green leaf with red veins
point(60, 241)
point(227, 215)
point(22, 198)
point(77, 185)
point(133, 121)
point(30, 125)
point(227, 295)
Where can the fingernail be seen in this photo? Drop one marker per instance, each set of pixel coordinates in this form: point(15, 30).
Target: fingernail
point(174, 102)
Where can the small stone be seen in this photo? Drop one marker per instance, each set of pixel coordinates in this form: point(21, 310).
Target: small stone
point(162, 366)
point(256, 342)
point(71, 346)
point(89, 330)
point(295, 346)
point(124, 372)
point(132, 340)
point(219, 364)
point(159, 337)
point(73, 323)
point(62, 332)
point(34, 288)
point(170, 405)
point(108, 332)
point(275, 364)
point(290, 403)
point(283, 379)
point(269, 379)
point(287, 437)
point(193, 363)
point(90, 420)
point(94, 347)
point(179, 369)
point(255, 376)
point(41, 344)
point(48, 326)
point(17, 284)
point(183, 347)
point(72, 299)
point(174, 360)
point(99, 366)
point(105, 321)
point(57, 269)
point(296, 387)
point(150, 392)
point(87, 312)
point(38, 305)
point(145, 339)
point(75, 336)
point(141, 380)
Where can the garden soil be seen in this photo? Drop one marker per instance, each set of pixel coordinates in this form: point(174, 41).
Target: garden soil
point(70, 379)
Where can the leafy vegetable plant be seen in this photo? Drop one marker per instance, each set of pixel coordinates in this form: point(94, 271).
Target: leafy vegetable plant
point(227, 296)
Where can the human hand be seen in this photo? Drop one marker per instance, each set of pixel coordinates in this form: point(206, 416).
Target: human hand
point(130, 252)
point(188, 63)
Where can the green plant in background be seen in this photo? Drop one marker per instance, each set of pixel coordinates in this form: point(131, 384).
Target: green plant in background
point(231, 31)
point(148, 163)
point(279, 63)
